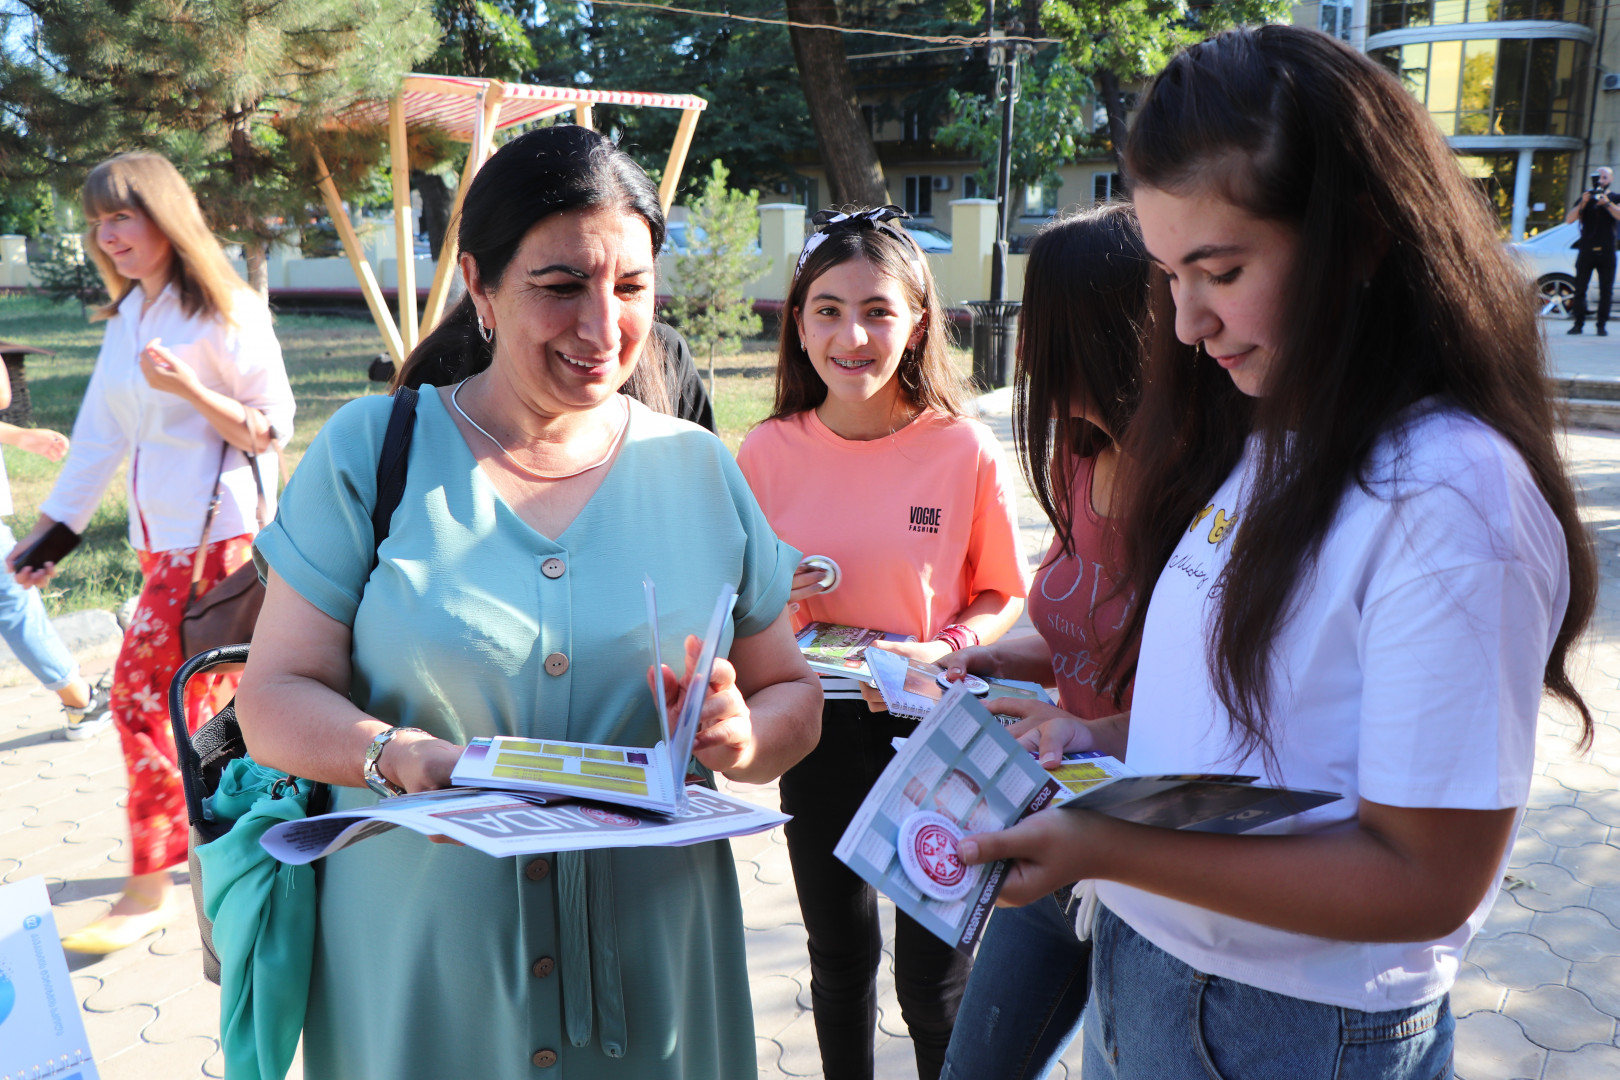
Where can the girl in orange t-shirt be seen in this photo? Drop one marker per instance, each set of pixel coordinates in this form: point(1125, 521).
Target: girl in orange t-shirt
point(867, 458)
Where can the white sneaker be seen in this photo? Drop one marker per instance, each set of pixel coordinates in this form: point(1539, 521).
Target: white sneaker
point(95, 717)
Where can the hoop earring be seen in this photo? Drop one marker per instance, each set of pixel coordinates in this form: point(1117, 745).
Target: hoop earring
point(485, 332)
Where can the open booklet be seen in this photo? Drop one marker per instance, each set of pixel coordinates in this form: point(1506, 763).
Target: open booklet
point(835, 649)
point(41, 1028)
point(913, 687)
point(647, 778)
point(960, 772)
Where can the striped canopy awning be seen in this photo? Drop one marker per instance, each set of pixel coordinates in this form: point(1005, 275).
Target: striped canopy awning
point(451, 103)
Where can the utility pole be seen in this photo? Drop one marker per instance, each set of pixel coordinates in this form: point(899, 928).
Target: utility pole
point(1004, 60)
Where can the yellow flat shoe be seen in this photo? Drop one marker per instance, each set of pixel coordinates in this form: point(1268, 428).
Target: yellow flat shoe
point(114, 932)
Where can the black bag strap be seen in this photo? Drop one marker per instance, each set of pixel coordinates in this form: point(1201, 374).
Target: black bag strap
point(392, 464)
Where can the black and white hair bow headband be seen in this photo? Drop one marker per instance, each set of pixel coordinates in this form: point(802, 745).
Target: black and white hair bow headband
point(828, 222)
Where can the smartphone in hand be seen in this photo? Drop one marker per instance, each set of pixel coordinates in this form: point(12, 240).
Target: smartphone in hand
point(53, 547)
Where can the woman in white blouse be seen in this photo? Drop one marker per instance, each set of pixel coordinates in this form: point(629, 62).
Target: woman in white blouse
point(189, 383)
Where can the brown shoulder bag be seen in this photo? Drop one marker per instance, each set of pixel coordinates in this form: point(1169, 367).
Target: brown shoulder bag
point(225, 614)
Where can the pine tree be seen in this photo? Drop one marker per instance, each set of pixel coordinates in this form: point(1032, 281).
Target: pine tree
point(229, 91)
point(711, 309)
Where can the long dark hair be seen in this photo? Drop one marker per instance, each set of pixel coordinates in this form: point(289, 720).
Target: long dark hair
point(1080, 338)
point(927, 377)
point(548, 171)
point(1402, 292)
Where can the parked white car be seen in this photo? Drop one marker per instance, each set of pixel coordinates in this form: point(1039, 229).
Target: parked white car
point(1551, 262)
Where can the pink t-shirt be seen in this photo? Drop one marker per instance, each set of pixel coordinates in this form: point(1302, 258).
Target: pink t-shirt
point(920, 522)
point(1070, 607)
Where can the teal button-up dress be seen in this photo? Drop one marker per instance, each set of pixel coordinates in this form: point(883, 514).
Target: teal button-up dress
point(437, 961)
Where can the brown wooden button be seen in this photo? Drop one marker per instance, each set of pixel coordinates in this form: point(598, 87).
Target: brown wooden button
point(553, 567)
point(537, 870)
point(543, 967)
point(544, 1059)
point(556, 663)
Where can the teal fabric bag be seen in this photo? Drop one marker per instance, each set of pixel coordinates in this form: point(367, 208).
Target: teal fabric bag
point(264, 921)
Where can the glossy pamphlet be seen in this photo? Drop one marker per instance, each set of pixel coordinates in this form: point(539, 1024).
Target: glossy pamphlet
point(838, 650)
point(647, 778)
point(41, 1031)
point(911, 687)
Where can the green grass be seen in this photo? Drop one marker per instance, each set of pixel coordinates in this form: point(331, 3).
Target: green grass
point(326, 359)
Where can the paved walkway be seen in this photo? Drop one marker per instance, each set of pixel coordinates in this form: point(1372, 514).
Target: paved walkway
point(1538, 998)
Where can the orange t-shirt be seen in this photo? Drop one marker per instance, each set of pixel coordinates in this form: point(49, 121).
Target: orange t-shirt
point(919, 522)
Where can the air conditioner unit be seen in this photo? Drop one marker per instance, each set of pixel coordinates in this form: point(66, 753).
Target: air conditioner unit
point(1611, 82)
point(942, 183)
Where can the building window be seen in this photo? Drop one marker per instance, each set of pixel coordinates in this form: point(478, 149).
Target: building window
point(1496, 174)
point(1507, 87)
point(1334, 18)
point(920, 196)
point(970, 187)
point(1385, 15)
point(1040, 200)
point(915, 129)
point(870, 116)
point(1102, 186)
point(1549, 180)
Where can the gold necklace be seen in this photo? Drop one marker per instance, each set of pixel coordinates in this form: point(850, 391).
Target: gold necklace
point(516, 464)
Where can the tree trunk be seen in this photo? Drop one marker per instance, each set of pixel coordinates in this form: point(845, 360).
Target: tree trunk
point(1114, 102)
point(257, 257)
point(255, 251)
point(854, 175)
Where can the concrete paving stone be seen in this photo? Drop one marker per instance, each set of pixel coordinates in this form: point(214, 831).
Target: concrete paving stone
point(113, 1033)
point(1519, 961)
point(180, 938)
point(1584, 776)
point(774, 867)
point(1597, 865)
point(1577, 934)
point(1558, 1018)
point(1607, 902)
point(1508, 916)
point(178, 1060)
point(767, 1053)
point(1600, 982)
point(1588, 1063)
point(1546, 791)
point(1475, 992)
point(773, 907)
point(29, 840)
point(1549, 887)
point(1602, 805)
point(776, 1003)
point(1530, 847)
point(800, 1055)
point(15, 816)
point(215, 1065)
point(149, 983)
point(895, 1059)
point(1491, 1046)
point(65, 861)
point(179, 1016)
point(1563, 826)
point(779, 949)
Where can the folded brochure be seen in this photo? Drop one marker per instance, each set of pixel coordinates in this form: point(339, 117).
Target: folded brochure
point(647, 778)
point(960, 772)
point(502, 824)
point(839, 650)
point(912, 687)
point(41, 1029)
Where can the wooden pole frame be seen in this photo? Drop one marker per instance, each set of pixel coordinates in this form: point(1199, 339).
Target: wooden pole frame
point(449, 251)
point(357, 259)
point(404, 235)
point(677, 158)
point(582, 115)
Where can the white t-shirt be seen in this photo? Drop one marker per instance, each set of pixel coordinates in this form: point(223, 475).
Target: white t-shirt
point(1409, 675)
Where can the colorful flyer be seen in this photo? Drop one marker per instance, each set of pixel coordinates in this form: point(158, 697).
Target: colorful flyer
point(41, 1031)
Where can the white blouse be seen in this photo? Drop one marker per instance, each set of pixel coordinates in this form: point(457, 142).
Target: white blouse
point(174, 452)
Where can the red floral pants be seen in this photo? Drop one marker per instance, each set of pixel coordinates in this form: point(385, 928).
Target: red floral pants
point(158, 829)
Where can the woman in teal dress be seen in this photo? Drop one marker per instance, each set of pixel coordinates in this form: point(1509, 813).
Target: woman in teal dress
point(507, 600)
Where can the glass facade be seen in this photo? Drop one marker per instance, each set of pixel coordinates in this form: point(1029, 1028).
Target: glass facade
point(1385, 15)
point(1506, 87)
point(1496, 175)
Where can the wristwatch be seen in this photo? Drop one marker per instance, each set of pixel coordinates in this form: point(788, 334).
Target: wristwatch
point(375, 780)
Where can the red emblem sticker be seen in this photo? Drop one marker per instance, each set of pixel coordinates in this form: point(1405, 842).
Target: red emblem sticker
point(928, 852)
point(609, 817)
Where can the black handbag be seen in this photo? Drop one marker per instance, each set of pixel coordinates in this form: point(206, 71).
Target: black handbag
point(202, 757)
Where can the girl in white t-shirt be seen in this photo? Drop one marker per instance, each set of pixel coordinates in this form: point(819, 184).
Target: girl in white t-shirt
point(1364, 565)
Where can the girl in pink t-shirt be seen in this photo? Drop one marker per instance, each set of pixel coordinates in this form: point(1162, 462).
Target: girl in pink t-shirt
point(867, 458)
point(1086, 311)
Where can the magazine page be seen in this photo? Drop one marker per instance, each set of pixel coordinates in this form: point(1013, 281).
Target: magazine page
point(1082, 770)
point(1198, 802)
point(913, 687)
point(503, 824)
point(838, 650)
point(41, 1031)
point(958, 773)
point(648, 778)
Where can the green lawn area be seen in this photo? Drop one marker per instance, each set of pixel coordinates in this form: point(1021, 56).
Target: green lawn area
point(326, 360)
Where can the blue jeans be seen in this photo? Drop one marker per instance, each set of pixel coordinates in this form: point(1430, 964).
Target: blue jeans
point(1024, 999)
point(1151, 1017)
point(28, 630)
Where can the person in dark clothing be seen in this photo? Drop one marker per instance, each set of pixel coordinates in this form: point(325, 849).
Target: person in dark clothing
point(1597, 212)
point(681, 375)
